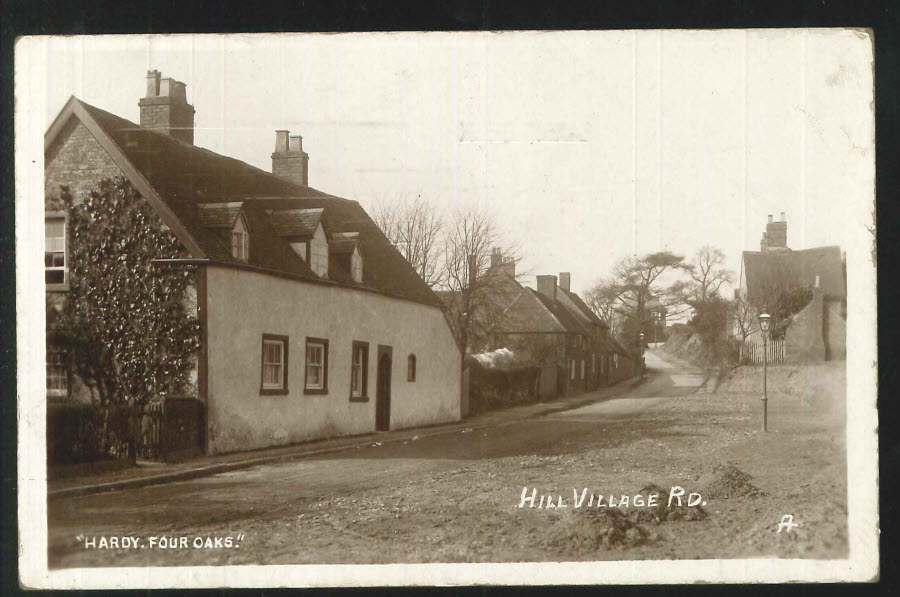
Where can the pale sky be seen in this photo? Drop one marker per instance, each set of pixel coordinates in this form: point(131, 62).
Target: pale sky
point(585, 146)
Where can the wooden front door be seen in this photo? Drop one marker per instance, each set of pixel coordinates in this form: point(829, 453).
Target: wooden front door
point(383, 390)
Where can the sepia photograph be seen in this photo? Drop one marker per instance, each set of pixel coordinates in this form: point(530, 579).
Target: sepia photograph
point(565, 307)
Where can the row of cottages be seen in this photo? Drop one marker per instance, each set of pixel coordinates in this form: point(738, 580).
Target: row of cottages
point(552, 326)
point(819, 331)
point(313, 325)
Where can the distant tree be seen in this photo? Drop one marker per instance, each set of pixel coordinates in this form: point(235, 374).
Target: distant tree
point(710, 318)
point(130, 325)
point(474, 300)
point(603, 299)
point(708, 273)
point(634, 282)
point(415, 229)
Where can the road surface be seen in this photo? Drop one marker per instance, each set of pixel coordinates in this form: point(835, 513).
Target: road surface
point(249, 498)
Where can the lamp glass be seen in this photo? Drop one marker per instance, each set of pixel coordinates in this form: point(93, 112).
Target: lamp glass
point(764, 322)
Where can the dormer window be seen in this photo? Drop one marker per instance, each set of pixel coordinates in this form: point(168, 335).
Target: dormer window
point(356, 266)
point(240, 240)
point(230, 224)
point(318, 252)
point(306, 233)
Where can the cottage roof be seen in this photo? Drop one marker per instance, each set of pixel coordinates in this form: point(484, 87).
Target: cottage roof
point(582, 306)
point(177, 178)
point(343, 242)
point(219, 215)
point(527, 313)
point(613, 346)
point(567, 320)
point(298, 223)
point(802, 266)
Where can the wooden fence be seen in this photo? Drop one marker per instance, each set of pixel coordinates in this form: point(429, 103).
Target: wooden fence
point(752, 351)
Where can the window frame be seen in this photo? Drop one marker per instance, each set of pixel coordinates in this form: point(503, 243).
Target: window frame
point(64, 216)
point(324, 387)
point(270, 391)
point(571, 369)
point(241, 230)
point(364, 382)
point(314, 259)
point(356, 263)
point(582, 368)
point(244, 246)
point(412, 366)
point(61, 350)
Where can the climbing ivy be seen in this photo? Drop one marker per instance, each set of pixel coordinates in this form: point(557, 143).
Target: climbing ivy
point(132, 332)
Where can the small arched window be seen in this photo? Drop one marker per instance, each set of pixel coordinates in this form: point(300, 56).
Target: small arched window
point(411, 368)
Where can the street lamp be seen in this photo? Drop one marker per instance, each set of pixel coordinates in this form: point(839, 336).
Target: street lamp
point(641, 352)
point(656, 319)
point(764, 326)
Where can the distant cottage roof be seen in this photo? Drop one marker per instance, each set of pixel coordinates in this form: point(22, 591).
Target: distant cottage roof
point(527, 313)
point(802, 266)
point(184, 183)
point(562, 315)
point(582, 306)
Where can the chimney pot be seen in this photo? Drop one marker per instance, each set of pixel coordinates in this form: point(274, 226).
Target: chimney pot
point(296, 143)
point(782, 216)
point(565, 280)
point(152, 83)
point(496, 257)
point(165, 108)
point(281, 141)
point(546, 285)
point(770, 218)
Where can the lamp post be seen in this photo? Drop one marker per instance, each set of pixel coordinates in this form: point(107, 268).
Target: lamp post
point(764, 326)
point(655, 328)
point(641, 351)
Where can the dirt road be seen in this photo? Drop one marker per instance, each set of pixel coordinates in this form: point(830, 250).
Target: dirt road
point(450, 497)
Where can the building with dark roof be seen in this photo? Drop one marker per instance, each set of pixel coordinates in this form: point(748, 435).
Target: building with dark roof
point(357, 340)
point(552, 326)
point(818, 332)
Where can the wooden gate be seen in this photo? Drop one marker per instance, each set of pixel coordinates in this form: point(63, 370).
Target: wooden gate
point(752, 351)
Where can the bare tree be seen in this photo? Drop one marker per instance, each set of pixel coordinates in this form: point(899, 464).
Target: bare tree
point(779, 292)
point(744, 316)
point(414, 228)
point(476, 295)
point(603, 299)
point(708, 272)
point(635, 282)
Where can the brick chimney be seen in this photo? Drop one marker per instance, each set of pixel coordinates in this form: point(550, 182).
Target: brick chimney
point(289, 160)
point(165, 108)
point(546, 285)
point(565, 280)
point(509, 266)
point(496, 257)
point(776, 233)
